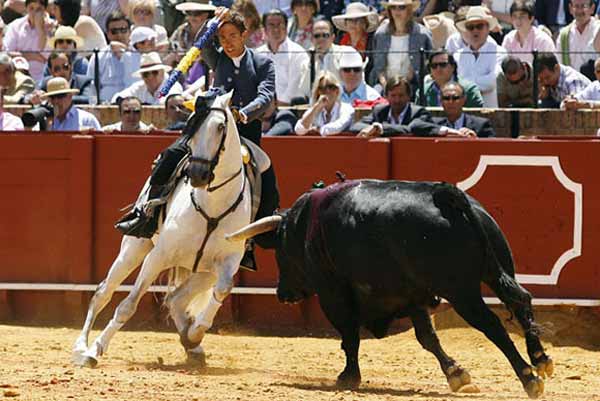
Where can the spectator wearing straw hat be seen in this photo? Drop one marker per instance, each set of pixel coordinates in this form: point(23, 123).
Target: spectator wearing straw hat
point(352, 72)
point(290, 59)
point(480, 61)
point(16, 84)
point(358, 24)
point(397, 43)
point(116, 63)
point(67, 117)
point(66, 39)
point(153, 74)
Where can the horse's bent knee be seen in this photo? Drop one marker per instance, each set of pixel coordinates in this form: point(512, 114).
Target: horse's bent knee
point(125, 310)
point(223, 289)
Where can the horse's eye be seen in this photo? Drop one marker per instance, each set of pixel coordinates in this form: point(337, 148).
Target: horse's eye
point(221, 127)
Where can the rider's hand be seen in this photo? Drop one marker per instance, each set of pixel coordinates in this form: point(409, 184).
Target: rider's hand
point(222, 14)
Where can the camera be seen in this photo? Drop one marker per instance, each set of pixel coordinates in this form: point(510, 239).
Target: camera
point(39, 115)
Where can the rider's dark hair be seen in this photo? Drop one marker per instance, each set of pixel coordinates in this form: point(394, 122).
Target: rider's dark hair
point(236, 20)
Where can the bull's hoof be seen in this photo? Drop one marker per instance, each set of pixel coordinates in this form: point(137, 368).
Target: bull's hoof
point(535, 387)
point(348, 381)
point(196, 359)
point(85, 361)
point(545, 368)
point(458, 378)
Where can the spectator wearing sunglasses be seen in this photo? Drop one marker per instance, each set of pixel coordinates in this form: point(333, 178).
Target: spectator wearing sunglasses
point(327, 53)
point(130, 111)
point(397, 42)
point(442, 69)
point(456, 122)
point(515, 83)
point(480, 61)
point(66, 39)
point(67, 117)
point(116, 63)
point(327, 115)
point(153, 74)
point(143, 13)
point(354, 87)
point(60, 65)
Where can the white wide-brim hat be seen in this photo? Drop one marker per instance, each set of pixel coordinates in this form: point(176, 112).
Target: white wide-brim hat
point(58, 86)
point(354, 11)
point(196, 5)
point(475, 14)
point(414, 3)
point(150, 62)
point(352, 59)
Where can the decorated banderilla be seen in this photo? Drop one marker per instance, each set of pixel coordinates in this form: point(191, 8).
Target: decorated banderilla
point(192, 55)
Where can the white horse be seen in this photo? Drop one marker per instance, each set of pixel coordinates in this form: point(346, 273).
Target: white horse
point(217, 198)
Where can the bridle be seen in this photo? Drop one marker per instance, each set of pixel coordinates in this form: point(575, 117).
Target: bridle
point(212, 163)
point(213, 222)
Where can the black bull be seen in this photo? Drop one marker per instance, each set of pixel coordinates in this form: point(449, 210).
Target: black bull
point(374, 251)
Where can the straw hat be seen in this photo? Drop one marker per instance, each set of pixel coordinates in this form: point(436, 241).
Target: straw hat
point(478, 14)
point(58, 86)
point(66, 33)
point(150, 62)
point(196, 5)
point(414, 3)
point(357, 10)
point(441, 28)
point(352, 59)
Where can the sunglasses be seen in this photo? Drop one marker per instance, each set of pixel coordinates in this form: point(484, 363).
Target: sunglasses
point(352, 69)
point(132, 111)
point(442, 64)
point(116, 31)
point(451, 97)
point(149, 73)
point(327, 87)
point(66, 41)
point(59, 96)
point(59, 68)
point(195, 13)
point(479, 27)
point(321, 35)
point(398, 7)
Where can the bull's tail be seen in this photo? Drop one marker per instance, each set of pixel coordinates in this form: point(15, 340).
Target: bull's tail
point(448, 197)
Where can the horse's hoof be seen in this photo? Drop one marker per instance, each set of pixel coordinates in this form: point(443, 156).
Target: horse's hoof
point(458, 378)
point(196, 359)
point(348, 381)
point(545, 368)
point(85, 361)
point(535, 387)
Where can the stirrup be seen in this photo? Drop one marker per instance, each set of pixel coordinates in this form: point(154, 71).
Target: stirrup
point(138, 224)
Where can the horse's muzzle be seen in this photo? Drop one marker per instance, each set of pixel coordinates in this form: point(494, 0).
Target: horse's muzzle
point(200, 175)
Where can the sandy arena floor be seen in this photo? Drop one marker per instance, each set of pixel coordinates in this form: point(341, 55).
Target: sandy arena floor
point(35, 365)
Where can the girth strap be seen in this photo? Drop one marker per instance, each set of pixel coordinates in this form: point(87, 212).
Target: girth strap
point(213, 222)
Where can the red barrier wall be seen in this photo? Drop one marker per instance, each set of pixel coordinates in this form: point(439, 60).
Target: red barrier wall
point(63, 193)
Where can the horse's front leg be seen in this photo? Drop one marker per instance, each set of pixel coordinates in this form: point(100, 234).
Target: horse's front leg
point(204, 320)
point(153, 265)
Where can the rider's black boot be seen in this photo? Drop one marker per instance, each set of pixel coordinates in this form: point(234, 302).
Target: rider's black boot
point(139, 223)
point(248, 262)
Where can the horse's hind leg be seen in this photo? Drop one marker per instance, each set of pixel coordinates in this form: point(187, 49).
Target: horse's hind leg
point(153, 265)
point(132, 253)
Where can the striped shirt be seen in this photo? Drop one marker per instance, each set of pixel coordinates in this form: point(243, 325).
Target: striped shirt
point(570, 82)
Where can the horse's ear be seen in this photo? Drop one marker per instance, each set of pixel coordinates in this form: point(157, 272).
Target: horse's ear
point(227, 98)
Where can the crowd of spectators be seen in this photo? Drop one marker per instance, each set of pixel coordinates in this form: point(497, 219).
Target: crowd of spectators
point(331, 56)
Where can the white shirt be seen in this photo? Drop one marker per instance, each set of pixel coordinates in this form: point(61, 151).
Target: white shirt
point(140, 90)
point(580, 42)
point(341, 118)
point(482, 70)
point(292, 77)
point(10, 122)
point(238, 60)
point(330, 61)
point(117, 127)
point(397, 121)
point(398, 61)
point(455, 42)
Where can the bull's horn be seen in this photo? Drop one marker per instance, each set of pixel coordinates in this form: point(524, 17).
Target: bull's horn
point(263, 225)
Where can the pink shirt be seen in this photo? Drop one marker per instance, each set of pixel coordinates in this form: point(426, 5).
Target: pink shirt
point(10, 122)
point(536, 39)
point(21, 36)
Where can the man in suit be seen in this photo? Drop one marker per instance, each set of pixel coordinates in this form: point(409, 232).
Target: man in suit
point(399, 117)
point(60, 65)
point(457, 123)
point(251, 76)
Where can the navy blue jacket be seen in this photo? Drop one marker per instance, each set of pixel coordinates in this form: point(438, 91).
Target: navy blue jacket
point(253, 83)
